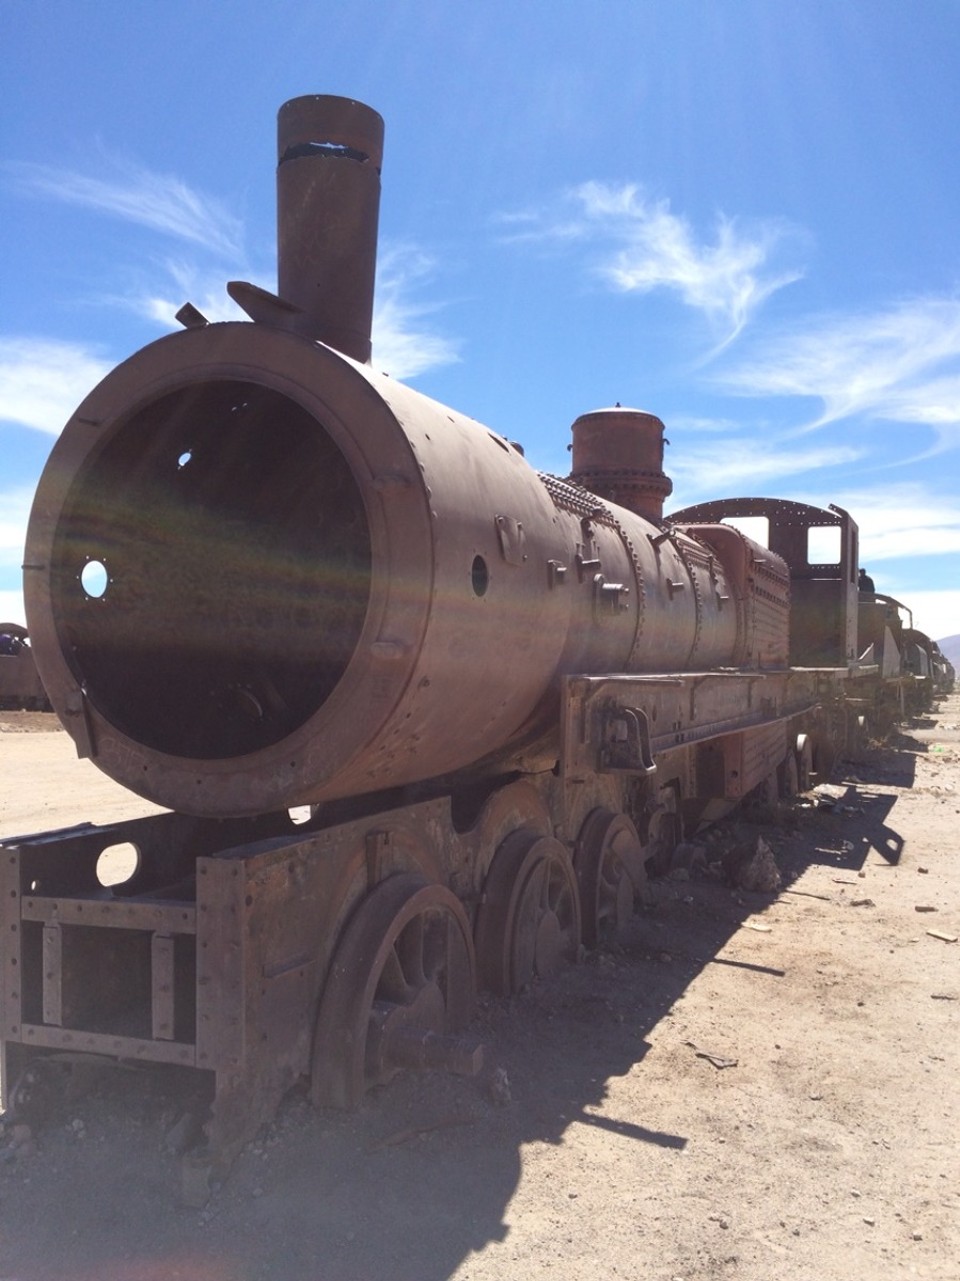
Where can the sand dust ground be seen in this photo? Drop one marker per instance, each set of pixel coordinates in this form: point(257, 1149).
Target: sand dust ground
point(820, 1138)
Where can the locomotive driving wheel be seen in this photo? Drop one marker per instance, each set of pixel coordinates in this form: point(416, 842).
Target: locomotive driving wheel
point(529, 918)
point(400, 987)
point(610, 871)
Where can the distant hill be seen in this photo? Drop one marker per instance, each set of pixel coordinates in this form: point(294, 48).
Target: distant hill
point(950, 648)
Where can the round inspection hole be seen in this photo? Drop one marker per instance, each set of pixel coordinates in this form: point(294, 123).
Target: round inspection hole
point(118, 864)
point(479, 576)
point(94, 578)
point(184, 458)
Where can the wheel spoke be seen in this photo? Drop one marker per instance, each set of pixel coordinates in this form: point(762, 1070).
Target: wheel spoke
point(410, 951)
point(393, 985)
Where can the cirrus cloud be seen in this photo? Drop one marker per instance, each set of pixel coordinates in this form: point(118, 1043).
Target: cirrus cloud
point(639, 244)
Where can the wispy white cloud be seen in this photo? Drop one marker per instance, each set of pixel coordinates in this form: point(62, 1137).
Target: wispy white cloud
point(902, 521)
point(11, 607)
point(42, 381)
point(14, 510)
point(173, 282)
point(737, 466)
point(641, 245)
point(727, 279)
point(935, 612)
point(698, 423)
point(899, 364)
point(161, 202)
point(402, 344)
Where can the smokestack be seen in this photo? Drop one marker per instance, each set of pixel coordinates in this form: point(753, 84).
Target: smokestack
point(328, 200)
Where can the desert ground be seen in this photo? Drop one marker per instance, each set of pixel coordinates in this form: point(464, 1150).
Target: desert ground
point(753, 1086)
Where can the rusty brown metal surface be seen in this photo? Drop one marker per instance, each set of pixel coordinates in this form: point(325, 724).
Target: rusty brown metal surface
point(824, 595)
point(618, 455)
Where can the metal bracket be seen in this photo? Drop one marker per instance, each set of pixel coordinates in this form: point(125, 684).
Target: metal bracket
point(626, 742)
point(513, 540)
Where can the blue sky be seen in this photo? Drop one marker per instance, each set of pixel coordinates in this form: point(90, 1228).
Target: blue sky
point(742, 216)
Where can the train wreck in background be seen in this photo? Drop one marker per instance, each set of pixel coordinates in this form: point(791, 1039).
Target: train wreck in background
point(20, 685)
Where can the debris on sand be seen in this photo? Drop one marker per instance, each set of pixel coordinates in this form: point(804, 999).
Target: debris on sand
point(718, 1060)
point(753, 868)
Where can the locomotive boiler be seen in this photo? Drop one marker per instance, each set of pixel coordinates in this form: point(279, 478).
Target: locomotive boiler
point(265, 582)
point(261, 574)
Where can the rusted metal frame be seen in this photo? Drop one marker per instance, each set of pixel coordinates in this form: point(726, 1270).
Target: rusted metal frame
point(162, 990)
point(121, 1047)
point(220, 971)
point(168, 918)
point(264, 936)
point(697, 707)
point(52, 974)
point(11, 960)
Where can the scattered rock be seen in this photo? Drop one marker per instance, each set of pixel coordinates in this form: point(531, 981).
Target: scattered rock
point(499, 1087)
point(753, 868)
point(182, 1135)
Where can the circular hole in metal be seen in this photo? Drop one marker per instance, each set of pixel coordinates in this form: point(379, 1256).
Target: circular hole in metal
point(238, 587)
point(94, 578)
point(118, 864)
point(479, 576)
point(184, 458)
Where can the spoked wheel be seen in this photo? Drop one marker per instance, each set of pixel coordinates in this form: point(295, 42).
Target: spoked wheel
point(529, 918)
point(400, 987)
point(610, 872)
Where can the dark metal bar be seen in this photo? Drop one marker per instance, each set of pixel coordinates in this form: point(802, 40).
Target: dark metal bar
point(52, 975)
point(161, 987)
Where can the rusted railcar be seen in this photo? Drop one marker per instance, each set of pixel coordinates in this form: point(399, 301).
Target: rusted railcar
point(267, 583)
point(20, 685)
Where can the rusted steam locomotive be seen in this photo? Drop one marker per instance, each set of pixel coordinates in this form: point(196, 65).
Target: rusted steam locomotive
point(266, 583)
